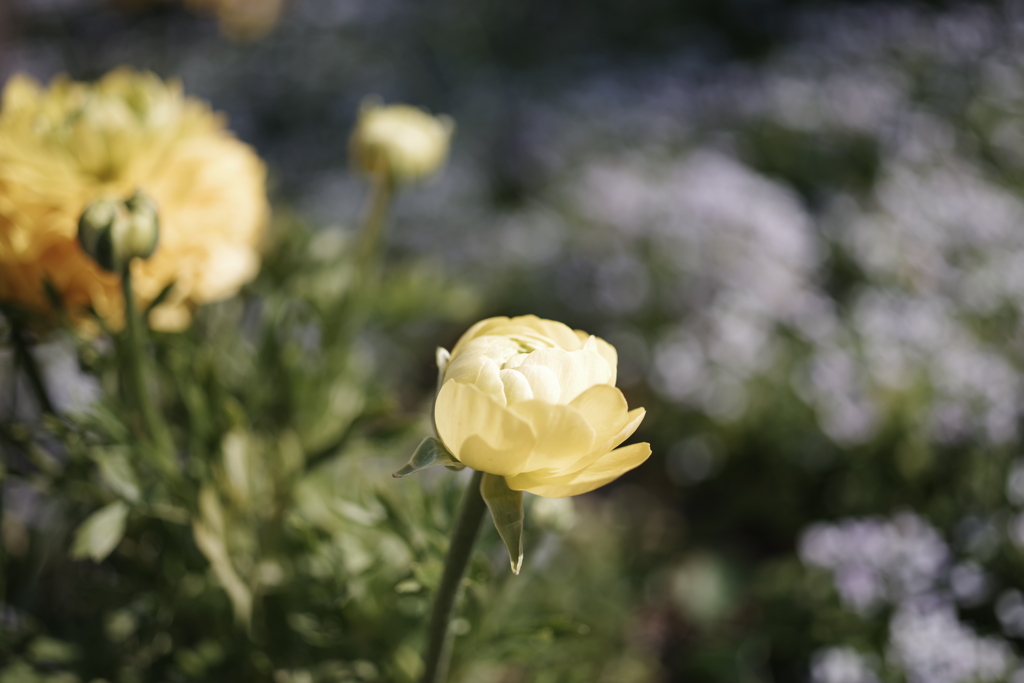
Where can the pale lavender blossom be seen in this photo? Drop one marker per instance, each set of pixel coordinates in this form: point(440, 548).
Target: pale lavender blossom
point(842, 665)
point(930, 644)
point(876, 561)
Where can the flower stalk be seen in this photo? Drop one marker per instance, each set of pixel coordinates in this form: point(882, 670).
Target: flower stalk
point(353, 308)
point(31, 368)
point(381, 189)
point(467, 527)
point(137, 392)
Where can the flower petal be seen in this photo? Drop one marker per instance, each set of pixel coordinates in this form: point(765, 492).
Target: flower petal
point(489, 380)
point(479, 329)
point(516, 387)
point(542, 381)
point(604, 408)
point(488, 327)
point(563, 435)
point(606, 350)
point(544, 333)
point(603, 471)
point(606, 442)
point(560, 333)
point(633, 420)
point(480, 432)
point(479, 369)
point(601, 449)
point(575, 371)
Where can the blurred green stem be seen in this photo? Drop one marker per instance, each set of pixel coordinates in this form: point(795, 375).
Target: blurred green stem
point(3, 546)
point(28, 363)
point(467, 526)
point(135, 382)
point(381, 189)
point(352, 310)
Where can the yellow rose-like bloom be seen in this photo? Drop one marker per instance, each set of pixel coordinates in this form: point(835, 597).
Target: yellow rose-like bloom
point(406, 141)
point(66, 146)
point(243, 20)
point(535, 401)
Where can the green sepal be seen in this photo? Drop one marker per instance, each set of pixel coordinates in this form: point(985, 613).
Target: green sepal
point(430, 453)
point(506, 508)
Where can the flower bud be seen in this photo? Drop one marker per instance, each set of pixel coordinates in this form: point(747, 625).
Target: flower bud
point(114, 232)
point(406, 142)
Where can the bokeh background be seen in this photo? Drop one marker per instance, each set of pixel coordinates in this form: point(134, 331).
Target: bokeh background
point(800, 223)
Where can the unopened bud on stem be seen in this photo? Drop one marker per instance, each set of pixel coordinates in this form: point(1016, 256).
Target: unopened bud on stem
point(406, 142)
point(114, 232)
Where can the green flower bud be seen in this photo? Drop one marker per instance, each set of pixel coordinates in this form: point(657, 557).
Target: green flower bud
point(114, 232)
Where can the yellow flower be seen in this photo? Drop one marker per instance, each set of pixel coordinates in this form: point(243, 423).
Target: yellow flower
point(66, 146)
point(535, 402)
point(402, 140)
point(243, 20)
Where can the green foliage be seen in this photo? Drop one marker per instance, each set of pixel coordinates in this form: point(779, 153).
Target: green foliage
point(276, 546)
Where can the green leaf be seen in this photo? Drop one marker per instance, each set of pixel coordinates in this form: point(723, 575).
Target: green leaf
point(506, 508)
point(100, 533)
point(116, 471)
point(430, 453)
point(46, 650)
point(209, 532)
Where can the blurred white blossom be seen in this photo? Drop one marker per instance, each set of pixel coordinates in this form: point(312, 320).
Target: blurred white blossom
point(904, 562)
point(931, 645)
point(842, 665)
point(1015, 484)
point(738, 248)
point(875, 561)
point(1010, 611)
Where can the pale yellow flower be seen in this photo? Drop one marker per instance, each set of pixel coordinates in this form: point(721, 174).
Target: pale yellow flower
point(243, 20)
point(405, 141)
point(535, 401)
point(63, 147)
point(238, 20)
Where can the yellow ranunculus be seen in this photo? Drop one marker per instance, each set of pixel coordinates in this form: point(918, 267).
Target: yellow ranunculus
point(243, 20)
point(535, 401)
point(405, 141)
point(63, 147)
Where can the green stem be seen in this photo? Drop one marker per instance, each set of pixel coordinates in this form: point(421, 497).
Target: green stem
point(3, 549)
point(134, 336)
point(381, 189)
point(28, 362)
point(353, 308)
point(467, 526)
